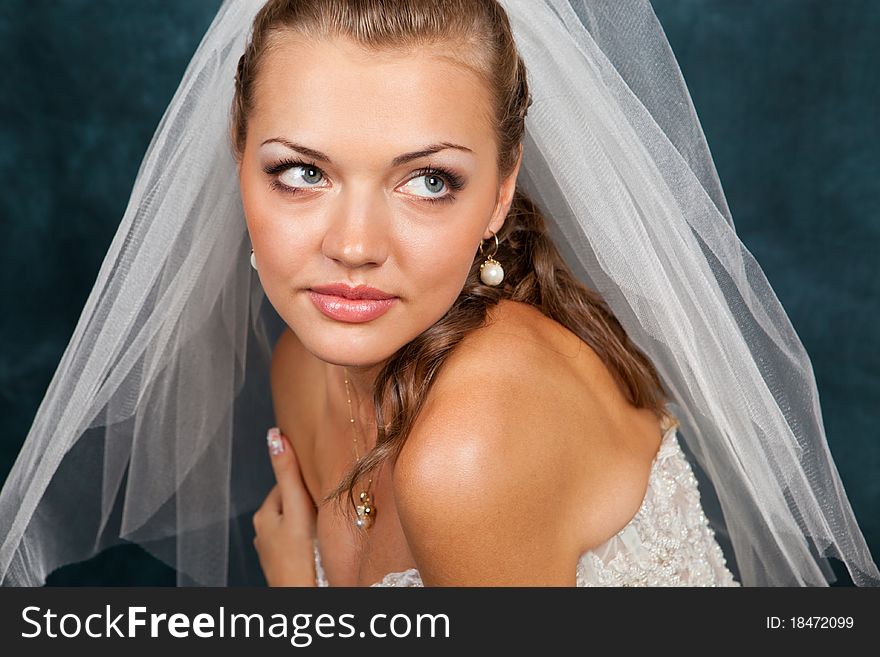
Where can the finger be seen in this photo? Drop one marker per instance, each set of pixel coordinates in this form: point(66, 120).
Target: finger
point(286, 468)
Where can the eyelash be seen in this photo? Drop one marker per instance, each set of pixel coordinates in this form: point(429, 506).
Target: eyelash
point(452, 180)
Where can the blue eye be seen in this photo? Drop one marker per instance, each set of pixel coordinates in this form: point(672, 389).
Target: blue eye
point(309, 173)
point(312, 175)
point(437, 177)
point(432, 181)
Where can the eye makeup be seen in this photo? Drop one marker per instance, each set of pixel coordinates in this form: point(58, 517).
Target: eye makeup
point(454, 181)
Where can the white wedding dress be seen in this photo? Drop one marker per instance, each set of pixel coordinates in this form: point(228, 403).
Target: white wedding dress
point(667, 543)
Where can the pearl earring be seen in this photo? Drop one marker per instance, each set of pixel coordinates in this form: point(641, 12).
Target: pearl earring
point(253, 260)
point(491, 271)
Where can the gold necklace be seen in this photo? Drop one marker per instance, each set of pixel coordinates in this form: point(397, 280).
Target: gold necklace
point(366, 512)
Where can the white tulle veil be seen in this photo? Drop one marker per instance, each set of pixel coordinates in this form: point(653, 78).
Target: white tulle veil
point(152, 428)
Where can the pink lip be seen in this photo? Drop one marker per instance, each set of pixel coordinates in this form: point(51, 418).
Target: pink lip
point(348, 292)
point(354, 310)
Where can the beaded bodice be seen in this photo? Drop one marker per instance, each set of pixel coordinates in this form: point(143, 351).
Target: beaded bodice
point(667, 543)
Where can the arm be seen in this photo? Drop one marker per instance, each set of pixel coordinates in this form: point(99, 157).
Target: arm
point(285, 523)
point(292, 377)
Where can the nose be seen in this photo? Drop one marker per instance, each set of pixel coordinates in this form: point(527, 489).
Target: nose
point(357, 233)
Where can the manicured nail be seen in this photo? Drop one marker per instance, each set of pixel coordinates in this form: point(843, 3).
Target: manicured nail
point(273, 438)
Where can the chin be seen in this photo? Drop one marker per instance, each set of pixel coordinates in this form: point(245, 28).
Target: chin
point(353, 345)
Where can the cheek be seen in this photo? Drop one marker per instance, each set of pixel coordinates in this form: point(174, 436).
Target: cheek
point(281, 250)
point(435, 262)
point(254, 205)
point(436, 267)
point(272, 230)
point(258, 210)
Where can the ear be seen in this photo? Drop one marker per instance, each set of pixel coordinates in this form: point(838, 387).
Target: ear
point(505, 199)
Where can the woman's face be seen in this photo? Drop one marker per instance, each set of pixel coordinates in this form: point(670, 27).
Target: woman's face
point(359, 209)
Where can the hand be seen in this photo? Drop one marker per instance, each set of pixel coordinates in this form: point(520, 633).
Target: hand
point(285, 523)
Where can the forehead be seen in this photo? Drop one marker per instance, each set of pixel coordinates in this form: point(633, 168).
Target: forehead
point(332, 91)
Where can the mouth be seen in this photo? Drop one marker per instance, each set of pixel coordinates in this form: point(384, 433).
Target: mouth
point(363, 305)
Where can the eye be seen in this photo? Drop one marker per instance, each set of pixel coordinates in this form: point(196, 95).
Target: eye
point(433, 183)
point(289, 174)
point(433, 180)
point(307, 173)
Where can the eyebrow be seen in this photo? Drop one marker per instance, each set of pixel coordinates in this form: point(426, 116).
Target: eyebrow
point(397, 161)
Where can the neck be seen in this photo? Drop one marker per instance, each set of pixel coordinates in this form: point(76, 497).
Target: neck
point(360, 385)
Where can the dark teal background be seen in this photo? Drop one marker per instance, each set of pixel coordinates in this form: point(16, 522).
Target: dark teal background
point(788, 93)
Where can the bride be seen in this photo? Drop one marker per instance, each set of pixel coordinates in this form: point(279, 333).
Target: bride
point(527, 421)
point(511, 335)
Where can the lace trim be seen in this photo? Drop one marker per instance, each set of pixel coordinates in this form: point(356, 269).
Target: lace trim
point(668, 542)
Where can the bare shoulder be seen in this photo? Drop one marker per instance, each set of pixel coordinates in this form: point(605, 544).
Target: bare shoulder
point(502, 382)
point(521, 365)
point(484, 484)
point(519, 436)
point(517, 343)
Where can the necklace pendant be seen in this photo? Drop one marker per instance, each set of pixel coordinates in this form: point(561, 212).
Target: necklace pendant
point(365, 511)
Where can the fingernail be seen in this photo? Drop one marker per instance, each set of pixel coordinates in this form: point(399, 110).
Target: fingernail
point(273, 438)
